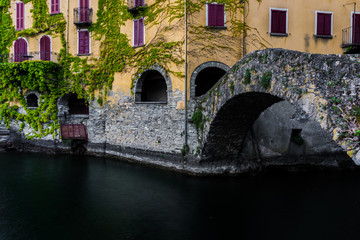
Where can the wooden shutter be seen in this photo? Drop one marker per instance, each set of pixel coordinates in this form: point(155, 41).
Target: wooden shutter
point(20, 16)
point(20, 50)
point(211, 14)
point(220, 15)
point(136, 32)
point(323, 24)
point(84, 46)
point(45, 50)
point(141, 32)
point(55, 6)
point(278, 21)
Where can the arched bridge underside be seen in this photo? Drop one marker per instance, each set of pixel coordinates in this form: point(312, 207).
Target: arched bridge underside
point(326, 87)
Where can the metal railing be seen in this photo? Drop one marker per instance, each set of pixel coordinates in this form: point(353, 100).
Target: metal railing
point(31, 56)
point(350, 36)
point(83, 16)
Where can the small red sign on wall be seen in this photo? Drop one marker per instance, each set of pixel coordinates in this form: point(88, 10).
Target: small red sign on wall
point(73, 131)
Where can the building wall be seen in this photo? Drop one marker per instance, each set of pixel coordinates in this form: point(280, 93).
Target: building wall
point(301, 24)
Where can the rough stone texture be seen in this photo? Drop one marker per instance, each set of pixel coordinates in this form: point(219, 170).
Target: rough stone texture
point(308, 81)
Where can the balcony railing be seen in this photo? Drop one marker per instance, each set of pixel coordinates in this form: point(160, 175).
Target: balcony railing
point(83, 16)
point(31, 56)
point(350, 37)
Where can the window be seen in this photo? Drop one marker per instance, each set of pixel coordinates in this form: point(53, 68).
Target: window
point(20, 50)
point(45, 48)
point(84, 14)
point(55, 6)
point(20, 13)
point(278, 21)
point(206, 79)
point(138, 3)
point(323, 26)
point(77, 106)
point(139, 32)
point(32, 101)
point(215, 15)
point(83, 44)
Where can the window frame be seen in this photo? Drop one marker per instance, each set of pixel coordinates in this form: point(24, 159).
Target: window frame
point(16, 16)
point(78, 42)
point(133, 38)
point(207, 14)
point(53, 13)
point(286, 24)
point(331, 26)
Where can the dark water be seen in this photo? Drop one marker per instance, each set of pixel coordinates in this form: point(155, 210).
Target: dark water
point(61, 197)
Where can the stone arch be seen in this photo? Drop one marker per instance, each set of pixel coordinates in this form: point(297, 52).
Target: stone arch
point(66, 108)
point(310, 82)
point(214, 68)
point(153, 86)
point(32, 99)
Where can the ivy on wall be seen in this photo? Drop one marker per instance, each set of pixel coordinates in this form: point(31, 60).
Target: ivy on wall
point(78, 75)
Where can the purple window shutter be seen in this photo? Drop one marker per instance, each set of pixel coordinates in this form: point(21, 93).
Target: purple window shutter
point(20, 50)
point(278, 21)
point(84, 46)
point(137, 3)
point(19, 16)
point(141, 32)
point(220, 15)
point(86, 42)
point(211, 14)
point(52, 6)
point(57, 6)
point(327, 25)
point(22, 13)
point(45, 48)
point(136, 32)
point(320, 24)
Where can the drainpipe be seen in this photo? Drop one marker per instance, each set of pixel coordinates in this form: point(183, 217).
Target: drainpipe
point(67, 28)
point(186, 85)
point(244, 30)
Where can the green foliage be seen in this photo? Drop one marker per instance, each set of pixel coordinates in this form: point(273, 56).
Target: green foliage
point(198, 119)
point(7, 30)
point(265, 80)
point(247, 78)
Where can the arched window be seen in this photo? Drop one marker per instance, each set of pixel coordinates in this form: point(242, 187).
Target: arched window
point(77, 105)
point(32, 101)
point(151, 87)
point(206, 79)
point(20, 50)
point(45, 48)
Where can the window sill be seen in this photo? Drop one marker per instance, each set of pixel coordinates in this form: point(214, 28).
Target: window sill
point(83, 54)
point(139, 46)
point(163, 103)
point(279, 34)
point(53, 14)
point(216, 27)
point(79, 115)
point(323, 36)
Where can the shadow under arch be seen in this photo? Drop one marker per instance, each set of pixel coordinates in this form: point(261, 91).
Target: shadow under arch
point(225, 139)
point(153, 86)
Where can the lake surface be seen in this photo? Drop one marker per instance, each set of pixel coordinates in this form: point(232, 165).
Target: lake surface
point(66, 197)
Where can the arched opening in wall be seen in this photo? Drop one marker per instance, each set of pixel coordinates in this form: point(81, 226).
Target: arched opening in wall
point(259, 129)
point(32, 101)
point(206, 79)
point(151, 88)
point(77, 105)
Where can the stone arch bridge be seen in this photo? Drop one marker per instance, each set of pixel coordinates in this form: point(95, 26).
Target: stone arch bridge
point(325, 87)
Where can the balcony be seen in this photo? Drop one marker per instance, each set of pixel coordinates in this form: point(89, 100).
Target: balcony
point(351, 40)
point(31, 56)
point(83, 16)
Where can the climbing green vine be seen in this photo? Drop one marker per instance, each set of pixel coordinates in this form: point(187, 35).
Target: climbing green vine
point(91, 77)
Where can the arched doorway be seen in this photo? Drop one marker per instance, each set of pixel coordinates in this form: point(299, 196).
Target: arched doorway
point(45, 48)
point(151, 87)
point(20, 50)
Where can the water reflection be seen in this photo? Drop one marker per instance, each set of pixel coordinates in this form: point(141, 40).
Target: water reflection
point(62, 197)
